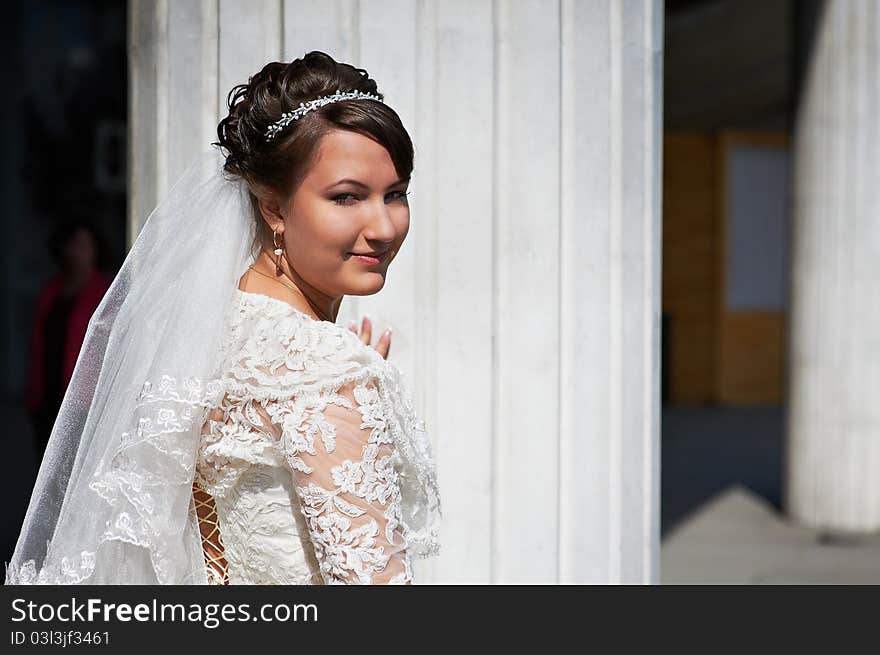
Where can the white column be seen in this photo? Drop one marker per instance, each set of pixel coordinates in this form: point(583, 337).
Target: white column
point(526, 301)
point(609, 295)
point(184, 57)
point(833, 449)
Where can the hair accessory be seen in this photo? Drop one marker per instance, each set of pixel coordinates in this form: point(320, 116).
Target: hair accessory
point(305, 107)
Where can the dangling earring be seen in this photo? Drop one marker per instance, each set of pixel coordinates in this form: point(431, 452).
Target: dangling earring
point(277, 252)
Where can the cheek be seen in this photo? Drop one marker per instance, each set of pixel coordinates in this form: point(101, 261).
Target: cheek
point(322, 235)
point(402, 224)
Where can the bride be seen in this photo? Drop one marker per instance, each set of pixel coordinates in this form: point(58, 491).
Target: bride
point(219, 426)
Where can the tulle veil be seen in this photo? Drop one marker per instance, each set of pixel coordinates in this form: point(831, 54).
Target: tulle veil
point(112, 499)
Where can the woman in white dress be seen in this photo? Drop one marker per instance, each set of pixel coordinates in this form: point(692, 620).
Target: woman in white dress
point(221, 428)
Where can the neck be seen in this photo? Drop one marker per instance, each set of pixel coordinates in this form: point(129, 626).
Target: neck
point(326, 307)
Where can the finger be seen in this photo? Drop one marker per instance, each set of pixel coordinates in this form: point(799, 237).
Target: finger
point(353, 326)
point(384, 343)
point(366, 330)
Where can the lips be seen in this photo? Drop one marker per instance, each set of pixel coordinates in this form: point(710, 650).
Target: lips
point(378, 254)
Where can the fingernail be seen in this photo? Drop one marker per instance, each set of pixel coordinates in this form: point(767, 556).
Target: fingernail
point(388, 331)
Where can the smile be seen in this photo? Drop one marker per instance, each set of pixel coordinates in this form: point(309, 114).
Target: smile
point(371, 258)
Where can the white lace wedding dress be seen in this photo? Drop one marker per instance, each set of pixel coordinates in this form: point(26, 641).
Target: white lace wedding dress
point(298, 472)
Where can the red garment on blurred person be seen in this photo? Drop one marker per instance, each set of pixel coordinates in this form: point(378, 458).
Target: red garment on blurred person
point(84, 305)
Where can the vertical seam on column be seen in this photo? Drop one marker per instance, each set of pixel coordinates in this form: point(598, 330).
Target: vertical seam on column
point(356, 31)
point(435, 243)
point(162, 86)
point(647, 298)
point(857, 516)
point(647, 288)
point(493, 505)
point(281, 53)
point(559, 301)
point(221, 99)
point(615, 107)
point(209, 67)
point(820, 230)
point(426, 363)
point(131, 28)
point(872, 26)
point(839, 170)
point(650, 425)
point(851, 210)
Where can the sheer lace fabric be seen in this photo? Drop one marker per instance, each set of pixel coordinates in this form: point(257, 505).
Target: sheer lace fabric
point(301, 462)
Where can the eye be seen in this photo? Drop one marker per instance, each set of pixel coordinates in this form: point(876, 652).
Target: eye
point(344, 199)
point(350, 198)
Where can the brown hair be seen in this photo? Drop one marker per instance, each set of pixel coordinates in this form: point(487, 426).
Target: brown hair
point(280, 164)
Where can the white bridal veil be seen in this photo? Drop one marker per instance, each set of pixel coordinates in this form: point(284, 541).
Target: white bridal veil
point(111, 503)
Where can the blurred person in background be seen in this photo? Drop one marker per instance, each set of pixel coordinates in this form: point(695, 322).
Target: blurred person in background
point(65, 305)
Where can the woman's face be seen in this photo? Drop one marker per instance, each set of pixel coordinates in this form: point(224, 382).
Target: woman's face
point(79, 251)
point(350, 202)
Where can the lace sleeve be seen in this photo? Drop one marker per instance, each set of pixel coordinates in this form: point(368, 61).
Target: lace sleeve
point(343, 424)
point(343, 462)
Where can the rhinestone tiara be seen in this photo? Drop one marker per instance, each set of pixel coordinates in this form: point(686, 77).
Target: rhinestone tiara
point(304, 107)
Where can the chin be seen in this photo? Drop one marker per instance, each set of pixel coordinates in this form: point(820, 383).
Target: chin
point(366, 284)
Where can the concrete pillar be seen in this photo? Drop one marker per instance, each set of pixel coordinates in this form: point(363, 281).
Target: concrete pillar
point(526, 302)
point(833, 448)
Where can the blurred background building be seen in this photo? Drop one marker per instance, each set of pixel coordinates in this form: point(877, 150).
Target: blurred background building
point(729, 101)
point(771, 437)
point(765, 114)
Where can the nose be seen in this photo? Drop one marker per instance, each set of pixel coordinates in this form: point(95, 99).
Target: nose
point(380, 227)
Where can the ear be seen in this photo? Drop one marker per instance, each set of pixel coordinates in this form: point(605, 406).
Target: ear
point(270, 209)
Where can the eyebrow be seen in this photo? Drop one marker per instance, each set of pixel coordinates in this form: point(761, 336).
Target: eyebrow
point(362, 185)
